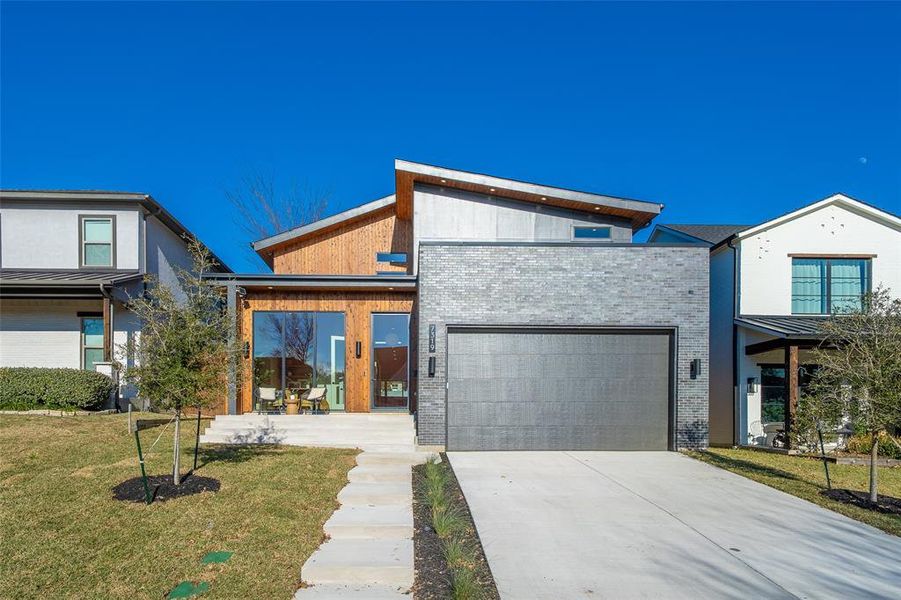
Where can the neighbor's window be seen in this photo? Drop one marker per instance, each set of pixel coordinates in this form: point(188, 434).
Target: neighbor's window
point(823, 285)
point(591, 233)
point(91, 342)
point(97, 242)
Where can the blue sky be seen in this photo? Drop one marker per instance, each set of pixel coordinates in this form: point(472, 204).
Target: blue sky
point(723, 112)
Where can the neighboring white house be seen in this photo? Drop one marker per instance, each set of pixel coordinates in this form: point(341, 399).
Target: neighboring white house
point(68, 262)
point(770, 285)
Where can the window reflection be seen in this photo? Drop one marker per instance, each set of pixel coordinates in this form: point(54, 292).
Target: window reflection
point(296, 351)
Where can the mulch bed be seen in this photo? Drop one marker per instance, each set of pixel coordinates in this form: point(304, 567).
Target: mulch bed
point(886, 504)
point(162, 489)
point(432, 574)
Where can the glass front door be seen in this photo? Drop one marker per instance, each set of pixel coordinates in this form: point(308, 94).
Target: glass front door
point(390, 361)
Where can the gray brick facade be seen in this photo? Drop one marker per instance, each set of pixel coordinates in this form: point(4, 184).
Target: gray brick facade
point(565, 285)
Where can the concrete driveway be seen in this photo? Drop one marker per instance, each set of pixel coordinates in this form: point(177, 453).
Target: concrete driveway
point(661, 525)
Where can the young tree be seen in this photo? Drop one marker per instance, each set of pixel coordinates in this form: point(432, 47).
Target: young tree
point(860, 368)
point(183, 353)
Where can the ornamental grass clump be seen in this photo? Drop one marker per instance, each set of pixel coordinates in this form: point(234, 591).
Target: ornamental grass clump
point(450, 527)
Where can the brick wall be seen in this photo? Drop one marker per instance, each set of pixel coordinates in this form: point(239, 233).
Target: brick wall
point(570, 285)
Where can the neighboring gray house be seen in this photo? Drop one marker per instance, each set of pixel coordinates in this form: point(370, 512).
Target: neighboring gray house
point(68, 262)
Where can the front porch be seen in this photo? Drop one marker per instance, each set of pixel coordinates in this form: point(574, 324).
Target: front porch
point(774, 365)
point(371, 432)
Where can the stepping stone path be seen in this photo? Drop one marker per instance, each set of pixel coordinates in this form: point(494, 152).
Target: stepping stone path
point(369, 553)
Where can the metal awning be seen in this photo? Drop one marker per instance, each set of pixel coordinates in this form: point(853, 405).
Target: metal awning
point(60, 283)
point(784, 326)
point(284, 282)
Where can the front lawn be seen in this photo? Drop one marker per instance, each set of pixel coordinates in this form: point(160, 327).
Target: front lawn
point(805, 478)
point(63, 535)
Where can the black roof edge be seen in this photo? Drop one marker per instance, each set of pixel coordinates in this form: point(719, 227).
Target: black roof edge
point(561, 244)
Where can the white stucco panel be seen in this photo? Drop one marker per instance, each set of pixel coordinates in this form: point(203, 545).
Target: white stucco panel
point(45, 236)
point(765, 264)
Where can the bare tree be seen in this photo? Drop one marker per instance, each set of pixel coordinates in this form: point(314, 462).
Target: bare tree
point(859, 371)
point(262, 209)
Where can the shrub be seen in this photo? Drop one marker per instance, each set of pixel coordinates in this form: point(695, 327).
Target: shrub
point(861, 444)
point(27, 388)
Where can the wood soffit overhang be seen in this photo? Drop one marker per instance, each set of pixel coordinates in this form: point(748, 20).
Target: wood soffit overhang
point(407, 175)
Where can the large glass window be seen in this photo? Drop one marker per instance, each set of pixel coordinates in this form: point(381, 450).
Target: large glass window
point(824, 285)
point(97, 242)
point(772, 390)
point(296, 351)
point(91, 342)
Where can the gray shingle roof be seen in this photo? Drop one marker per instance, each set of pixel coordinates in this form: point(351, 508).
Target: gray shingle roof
point(709, 233)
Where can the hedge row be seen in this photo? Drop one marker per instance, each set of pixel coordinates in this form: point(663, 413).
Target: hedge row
point(28, 388)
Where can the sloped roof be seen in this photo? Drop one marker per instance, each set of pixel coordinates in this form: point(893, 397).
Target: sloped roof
point(63, 276)
point(713, 234)
point(323, 224)
point(407, 174)
point(852, 204)
point(786, 326)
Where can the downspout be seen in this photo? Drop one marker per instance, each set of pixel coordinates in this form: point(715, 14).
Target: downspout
point(736, 391)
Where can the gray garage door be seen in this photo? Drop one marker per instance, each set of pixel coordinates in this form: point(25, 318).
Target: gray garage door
point(557, 390)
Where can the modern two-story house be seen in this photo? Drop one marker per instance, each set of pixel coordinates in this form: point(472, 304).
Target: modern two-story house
point(502, 314)
point(69, 260)
point(771, 284)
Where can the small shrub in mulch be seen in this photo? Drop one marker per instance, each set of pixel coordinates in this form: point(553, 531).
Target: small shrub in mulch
point(886, 504)
point(162, 488)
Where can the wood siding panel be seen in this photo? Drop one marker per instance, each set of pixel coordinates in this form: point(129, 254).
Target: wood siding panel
point(349, 249)
point(357, 308)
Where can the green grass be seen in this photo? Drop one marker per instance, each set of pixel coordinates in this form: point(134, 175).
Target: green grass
point(805, 478)
point(63, 535)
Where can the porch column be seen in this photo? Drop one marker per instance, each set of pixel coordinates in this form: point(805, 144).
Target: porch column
point(232, 294)
point(791, 388)
point(107, 329)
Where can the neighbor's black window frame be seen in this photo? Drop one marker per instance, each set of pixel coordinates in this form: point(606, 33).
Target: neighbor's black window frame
point(81, 241)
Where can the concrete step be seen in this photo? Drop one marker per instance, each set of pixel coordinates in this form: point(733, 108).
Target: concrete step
point(391, 522)
point(380, 494)
point(372, 447)
point(314, 424)
point(395, 458)
point(380, 473)
point(352, 592)
point(366, 562)
point(311, 438)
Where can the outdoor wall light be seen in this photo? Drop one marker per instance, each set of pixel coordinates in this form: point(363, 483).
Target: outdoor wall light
point(752, 385)
point(246, 349)
point(431, 366)
point(358, 349)
point(695, 368)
